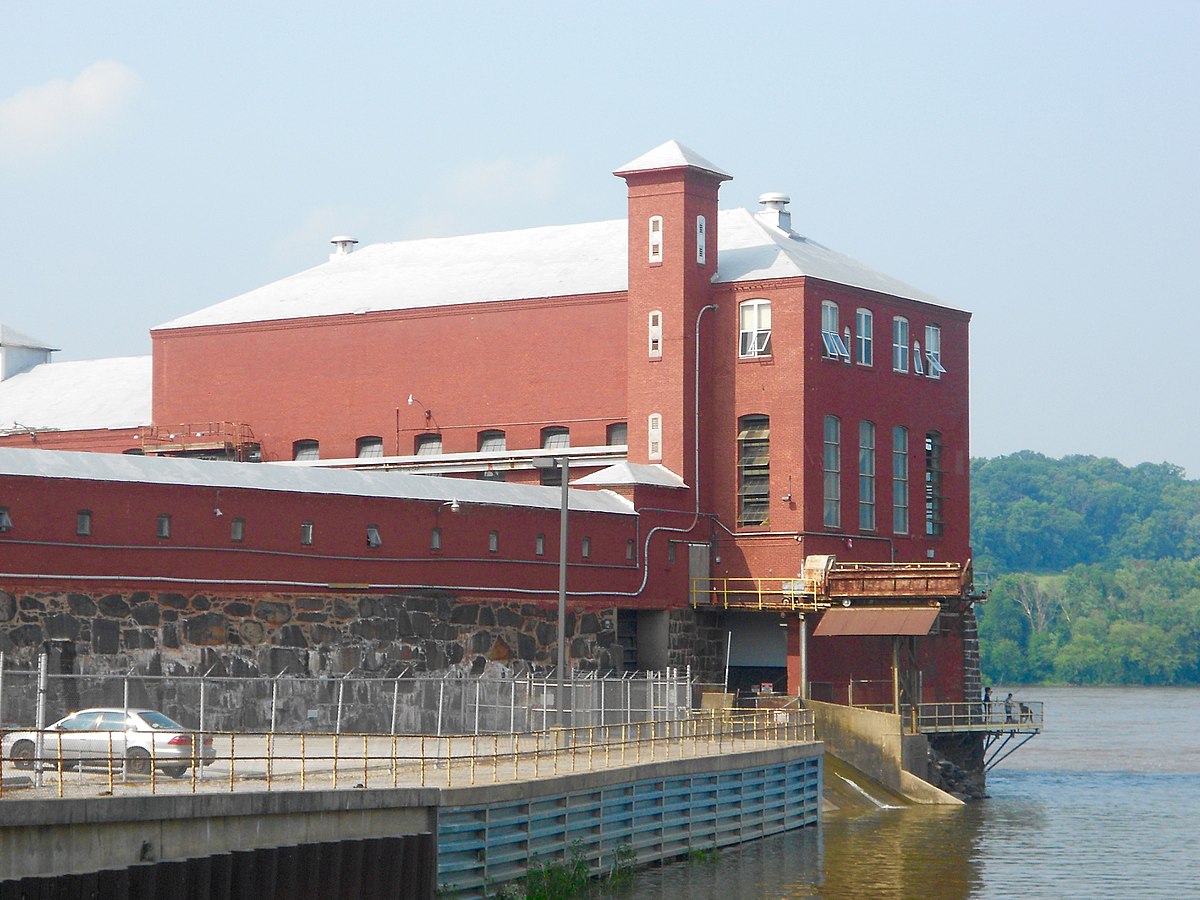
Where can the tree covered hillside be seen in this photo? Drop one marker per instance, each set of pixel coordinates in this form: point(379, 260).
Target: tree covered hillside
point(1098, 569)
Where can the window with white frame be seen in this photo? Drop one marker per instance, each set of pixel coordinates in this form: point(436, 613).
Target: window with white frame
point(373, 537)
point(656, 239)
point(933, 484)
point(899, 344)
point(918, 361)
point(866, 476)
point(754, 470)
point(492, 441)
point(900, 480)
point(833, 346)
point(306, 533)
point(864, 324)
point(306, 450)
point(933, 351)
point(832, 470)
point(429, 444)
point(556, 438)
point(83, 522)
point(654, 436)
point(654, 334)
point(700, 239)
point(755, 321)
point(369, 447)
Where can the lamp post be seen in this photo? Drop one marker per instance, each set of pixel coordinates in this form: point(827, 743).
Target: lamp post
point(563, 464)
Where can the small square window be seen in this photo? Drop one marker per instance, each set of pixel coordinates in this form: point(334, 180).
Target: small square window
point(83, 522)
point(164, 525)
point(373, 538)
point(306, 533)
point(237, 530)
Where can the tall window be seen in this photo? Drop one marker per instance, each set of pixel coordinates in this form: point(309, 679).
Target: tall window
point(83, 522)
point(492, 441)
point(539, 545)
point(306, 450)
point(754, 470)
point(900, 480)
point(833, 346)
point(656, 239)
point(654, 436)
point(369, 447)
point(237, 530)
point(435, 539)
point(918, 360)
point(864, 324)
point(429, 444)
point(866, 476)
point(899, 344)
point(493, 541)
point(755, 318)
point(306, 533)
point(933, 484)
point(6, 522)
point(654, 334)
point(164, 525)
point(585, 549)
point(833, 472)
point(617, 434)
point(700, 239)
point(933, 351)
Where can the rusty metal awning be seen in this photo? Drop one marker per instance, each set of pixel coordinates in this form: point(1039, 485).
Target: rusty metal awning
point(886, 620)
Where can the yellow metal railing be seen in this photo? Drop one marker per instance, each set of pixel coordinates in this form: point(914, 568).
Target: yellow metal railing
point(797, 594)
point(997, 715)
point(322, 761)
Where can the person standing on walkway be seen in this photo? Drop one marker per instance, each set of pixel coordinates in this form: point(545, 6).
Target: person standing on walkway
point(1008, 708)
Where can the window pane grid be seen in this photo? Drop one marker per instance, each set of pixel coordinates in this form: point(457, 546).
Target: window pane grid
point(754, 481)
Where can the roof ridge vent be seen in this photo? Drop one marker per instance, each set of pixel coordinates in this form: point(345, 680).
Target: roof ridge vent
point(343, 245)
point(775, 210)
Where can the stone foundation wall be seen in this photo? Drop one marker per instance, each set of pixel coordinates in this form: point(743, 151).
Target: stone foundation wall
point(304, 634)
point(697, 639)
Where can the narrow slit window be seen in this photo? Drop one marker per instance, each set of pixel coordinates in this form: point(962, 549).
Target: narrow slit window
point(435, 539)
point(900, 480)
point(629, 551)
point(586, 549)
point(306, 533)
point(237, 530)
point(654, 334)
point(832, 517)
point(654, 437)
point(539, 545)
point(656, 239)
point(83, 522)
point(164, 525)
point(866, 476)
point(918, 362)
point(493, 542)
point(700, 240)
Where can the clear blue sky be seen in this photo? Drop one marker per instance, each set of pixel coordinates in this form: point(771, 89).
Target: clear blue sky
point(1036, 163)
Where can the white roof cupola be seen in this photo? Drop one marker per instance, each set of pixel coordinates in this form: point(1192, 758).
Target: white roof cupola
point(775, 211)
point(343, 245)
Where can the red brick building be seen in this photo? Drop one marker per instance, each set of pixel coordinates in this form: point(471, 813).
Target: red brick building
point(757, 397)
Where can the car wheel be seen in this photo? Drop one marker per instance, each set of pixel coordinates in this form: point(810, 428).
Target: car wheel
point(137, 762)
point(175, 771)
point(21, 754)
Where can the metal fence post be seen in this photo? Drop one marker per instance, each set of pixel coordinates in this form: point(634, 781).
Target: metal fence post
point(40, 716)
point(395, 701)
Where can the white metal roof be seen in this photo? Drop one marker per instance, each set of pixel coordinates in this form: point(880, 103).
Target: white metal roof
point(553, 261)
point(62, 396)
point(267, 477)
point(670, 155)
point(10, 337)
point(626, 473)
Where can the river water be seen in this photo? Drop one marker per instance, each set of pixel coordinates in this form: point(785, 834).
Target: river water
point(1105, 803)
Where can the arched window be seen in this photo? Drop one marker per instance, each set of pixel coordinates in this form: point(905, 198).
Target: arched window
point(754, 318)
point(654, 334)
point(307, 449)
point(833, 345)
point(655, 239)
point(556, 438)
point(864, 323)
point(866, 476)
point(899, 344)
point(617, 434)
point(832, 463)
point(429, 444)
point(492, 441)
point(369, 447)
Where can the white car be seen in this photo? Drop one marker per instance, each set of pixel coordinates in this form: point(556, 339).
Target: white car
point(134, 739)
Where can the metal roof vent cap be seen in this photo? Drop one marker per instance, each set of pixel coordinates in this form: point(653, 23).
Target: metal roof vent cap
point(343, 245)
point(775, 210)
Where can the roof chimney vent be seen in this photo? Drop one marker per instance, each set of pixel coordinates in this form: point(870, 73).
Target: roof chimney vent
point(342, 246)
point(775, 211)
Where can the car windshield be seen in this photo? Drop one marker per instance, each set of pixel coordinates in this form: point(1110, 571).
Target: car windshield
point(159, 722)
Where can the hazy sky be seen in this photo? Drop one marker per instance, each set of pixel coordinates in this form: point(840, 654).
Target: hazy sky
point(1037, 163)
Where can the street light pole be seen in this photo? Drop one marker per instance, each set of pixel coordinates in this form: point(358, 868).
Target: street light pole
point(565, 468)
